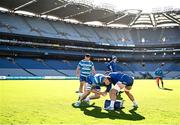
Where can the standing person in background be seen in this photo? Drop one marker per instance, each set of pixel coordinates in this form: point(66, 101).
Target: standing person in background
point(159, 77)
point(84, 68)
point(112, 65)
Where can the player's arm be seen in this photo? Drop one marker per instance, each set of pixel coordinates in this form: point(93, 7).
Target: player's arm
point(99, 93)
point(95, 91)
point(78, 71)
point(93, 70)
point(110, 66)
point(108, 88)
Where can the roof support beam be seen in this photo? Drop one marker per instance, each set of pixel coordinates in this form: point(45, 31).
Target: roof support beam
point(152, 19)
point(171, 18)
point(70, 16)
point(135, 19)
point(59, 7)
point(117, 19)
point(26, 4)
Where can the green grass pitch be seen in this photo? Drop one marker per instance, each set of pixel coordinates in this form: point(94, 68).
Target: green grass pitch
point(50, 102)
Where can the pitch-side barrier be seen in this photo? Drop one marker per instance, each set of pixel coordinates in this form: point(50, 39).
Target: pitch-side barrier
point(37, 78)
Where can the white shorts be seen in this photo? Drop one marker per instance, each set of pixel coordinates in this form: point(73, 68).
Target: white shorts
point(116, 87)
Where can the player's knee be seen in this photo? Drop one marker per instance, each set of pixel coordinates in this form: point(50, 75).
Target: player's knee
point(87, 91)
point(117, 88)
point(81, 84)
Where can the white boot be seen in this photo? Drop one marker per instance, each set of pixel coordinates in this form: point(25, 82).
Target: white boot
point(87, 100)
point(77, 104)
point(135, 104)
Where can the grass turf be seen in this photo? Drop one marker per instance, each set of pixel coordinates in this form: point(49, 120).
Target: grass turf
point(50, 102)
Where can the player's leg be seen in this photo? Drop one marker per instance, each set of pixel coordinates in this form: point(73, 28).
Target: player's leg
point(80, 91)
point(162, 83)
point(82, 84)
point(81, 87)
point(130, 95)
point(157, 81)
point(113, 94)
point(95, 96)
point(87, 92)
point(84, 95)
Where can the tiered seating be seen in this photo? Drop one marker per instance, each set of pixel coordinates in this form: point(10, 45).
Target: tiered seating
point(35, 26)
point(9, 68)
point(86, 33)
point(65, 31)
point(41, 26)
point(37, 67)
point(15, 24)
point(52, 67)
point(22, 49)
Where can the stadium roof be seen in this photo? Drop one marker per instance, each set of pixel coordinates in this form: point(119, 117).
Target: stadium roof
point(100, 12)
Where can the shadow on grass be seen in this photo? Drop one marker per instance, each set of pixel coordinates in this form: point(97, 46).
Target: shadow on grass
point(167, 89)
point(96, 111)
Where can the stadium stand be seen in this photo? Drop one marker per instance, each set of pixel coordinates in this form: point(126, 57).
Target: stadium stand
point(9, 68)
point(33, 46)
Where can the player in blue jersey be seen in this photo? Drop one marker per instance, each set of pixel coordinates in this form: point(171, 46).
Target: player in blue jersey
point(112, 65)
point(93, 85)
point(159, 77)
point(120, 81)
point(84, 68)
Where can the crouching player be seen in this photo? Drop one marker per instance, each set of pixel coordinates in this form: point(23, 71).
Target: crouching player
point(93, 85)
point(120, 81)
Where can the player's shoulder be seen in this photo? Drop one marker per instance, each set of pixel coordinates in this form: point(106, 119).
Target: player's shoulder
point(80, 61)
point(110, 62)
point(90, 62)
point(83, 61)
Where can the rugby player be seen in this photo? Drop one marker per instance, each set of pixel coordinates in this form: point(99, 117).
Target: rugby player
point(120, 81)
point(112, 65)
point(93, 85)
point(84, 68)
point(159, 77)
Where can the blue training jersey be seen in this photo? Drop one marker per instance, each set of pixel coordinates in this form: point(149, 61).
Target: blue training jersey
point(97, 80)
point(159, 72)
point(112, 66)
point(120, 77)
point(85, 67)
